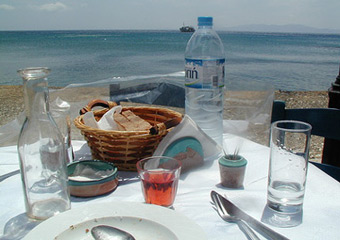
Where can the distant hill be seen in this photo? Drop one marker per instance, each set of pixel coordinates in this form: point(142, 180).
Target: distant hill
point(291, 28)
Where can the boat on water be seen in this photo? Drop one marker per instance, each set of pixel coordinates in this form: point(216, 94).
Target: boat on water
point(187, 29)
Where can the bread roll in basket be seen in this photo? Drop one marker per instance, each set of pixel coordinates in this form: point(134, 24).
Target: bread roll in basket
point(125, 148)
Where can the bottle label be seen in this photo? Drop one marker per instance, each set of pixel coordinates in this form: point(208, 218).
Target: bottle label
point(201, 73)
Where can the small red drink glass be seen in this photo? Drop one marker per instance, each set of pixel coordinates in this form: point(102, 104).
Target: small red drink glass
point(159, 177)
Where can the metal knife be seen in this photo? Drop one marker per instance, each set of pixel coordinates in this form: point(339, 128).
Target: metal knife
point(257, 225)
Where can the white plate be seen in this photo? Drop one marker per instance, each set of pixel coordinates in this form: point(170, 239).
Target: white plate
point(143, 221)
point(141, 227)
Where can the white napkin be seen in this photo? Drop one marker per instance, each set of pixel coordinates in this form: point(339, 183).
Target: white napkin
point(107, 121)
point(188, 128)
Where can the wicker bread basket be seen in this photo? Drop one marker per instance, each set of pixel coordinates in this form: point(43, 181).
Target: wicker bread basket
point(125, 148)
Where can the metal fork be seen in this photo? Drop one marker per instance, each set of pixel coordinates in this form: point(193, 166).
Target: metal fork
point(228, 218)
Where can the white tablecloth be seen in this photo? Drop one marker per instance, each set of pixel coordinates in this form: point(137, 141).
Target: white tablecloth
point(321, 211)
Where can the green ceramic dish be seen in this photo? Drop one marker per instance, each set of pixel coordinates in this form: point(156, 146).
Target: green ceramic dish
point(90, 188)
point(232, 170)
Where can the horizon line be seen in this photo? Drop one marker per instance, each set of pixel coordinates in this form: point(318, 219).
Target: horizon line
point(167, 30)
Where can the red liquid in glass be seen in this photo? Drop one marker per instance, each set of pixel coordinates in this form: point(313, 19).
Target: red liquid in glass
point(159, 188)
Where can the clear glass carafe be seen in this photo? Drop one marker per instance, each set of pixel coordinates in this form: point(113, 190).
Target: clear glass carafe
point(41, 151)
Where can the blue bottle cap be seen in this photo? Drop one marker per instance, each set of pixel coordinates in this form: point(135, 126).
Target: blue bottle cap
point(205, 21)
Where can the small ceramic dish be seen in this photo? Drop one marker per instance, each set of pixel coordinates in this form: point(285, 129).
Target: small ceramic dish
point(91, 178)
point(232, 170)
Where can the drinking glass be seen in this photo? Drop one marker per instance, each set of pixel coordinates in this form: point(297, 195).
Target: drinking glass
point(159, 178)
point(289, 150)
point(60, 111)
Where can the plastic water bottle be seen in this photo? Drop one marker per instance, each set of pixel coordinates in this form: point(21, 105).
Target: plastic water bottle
point(204, 79)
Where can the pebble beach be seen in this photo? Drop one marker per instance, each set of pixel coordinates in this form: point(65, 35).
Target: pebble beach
point(12, 103)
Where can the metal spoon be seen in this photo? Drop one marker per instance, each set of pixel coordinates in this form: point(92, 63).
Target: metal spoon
point(103, 232)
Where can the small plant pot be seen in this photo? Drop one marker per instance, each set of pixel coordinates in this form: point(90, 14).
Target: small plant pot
point(232, 170)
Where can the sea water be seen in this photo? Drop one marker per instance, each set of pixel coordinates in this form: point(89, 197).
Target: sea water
point(288, 61)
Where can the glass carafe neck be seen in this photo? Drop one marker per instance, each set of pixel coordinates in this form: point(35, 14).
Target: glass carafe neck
point(35, 90)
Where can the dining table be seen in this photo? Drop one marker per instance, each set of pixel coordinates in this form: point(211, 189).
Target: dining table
point(321, 208)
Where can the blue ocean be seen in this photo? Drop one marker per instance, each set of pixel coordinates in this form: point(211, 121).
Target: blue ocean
point(287, 61)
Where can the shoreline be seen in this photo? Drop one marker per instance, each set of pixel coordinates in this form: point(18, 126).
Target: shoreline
point(12, 104)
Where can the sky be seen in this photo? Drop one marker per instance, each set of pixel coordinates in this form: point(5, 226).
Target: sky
point(163, 14)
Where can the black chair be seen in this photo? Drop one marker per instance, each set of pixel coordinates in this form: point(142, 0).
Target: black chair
point(325, 123)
